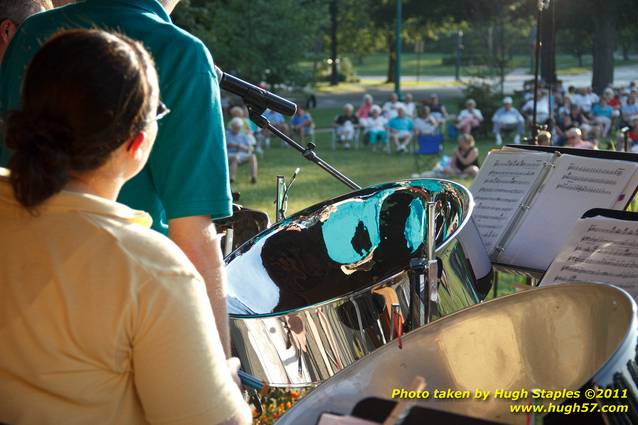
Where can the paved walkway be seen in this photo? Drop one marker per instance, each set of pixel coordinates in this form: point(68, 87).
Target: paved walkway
point(445, 86)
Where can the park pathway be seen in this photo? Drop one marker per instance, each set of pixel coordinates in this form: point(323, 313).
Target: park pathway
point(447, 88)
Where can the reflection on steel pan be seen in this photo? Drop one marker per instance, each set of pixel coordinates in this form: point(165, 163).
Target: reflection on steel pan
point(571, 336)
point(314, 293)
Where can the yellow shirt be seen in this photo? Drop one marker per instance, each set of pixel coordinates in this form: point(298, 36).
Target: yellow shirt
point(103, 321)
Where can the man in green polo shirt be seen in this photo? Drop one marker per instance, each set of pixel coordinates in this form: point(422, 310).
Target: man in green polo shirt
point(186, 179)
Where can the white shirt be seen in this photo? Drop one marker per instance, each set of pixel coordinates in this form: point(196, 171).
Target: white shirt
point(390, 109)
point(542, 107)
point(426, 125)
point(585, 101)
point(374, 124)
point(465, 113)
point(410, 109)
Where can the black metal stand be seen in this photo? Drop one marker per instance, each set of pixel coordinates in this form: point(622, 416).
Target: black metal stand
point(542, 4)
point(307, 152)
point(419, 294)
point(536, 70)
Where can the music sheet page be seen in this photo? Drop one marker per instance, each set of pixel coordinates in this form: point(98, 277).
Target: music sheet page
point(600, 249)
point(576, 185)
point(503, 182)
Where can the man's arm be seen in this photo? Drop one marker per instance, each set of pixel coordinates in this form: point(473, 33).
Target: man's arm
point(197, 237)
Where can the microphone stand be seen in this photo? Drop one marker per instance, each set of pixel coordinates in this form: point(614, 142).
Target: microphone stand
point(308, 152)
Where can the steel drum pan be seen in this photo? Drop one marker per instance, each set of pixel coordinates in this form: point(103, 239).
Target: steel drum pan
point(314, 293)
point(572, 336)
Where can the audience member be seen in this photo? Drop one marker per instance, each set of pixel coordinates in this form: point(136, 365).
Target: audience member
point(579, 119)
point(632, 135)
point(437, 109)
point(364, 109)
point(585, 99)
point(346, 125)
point(14, 13)
point(571, 92)
point(409, 106)
point(278, 121)
point(544, 138)
point(239, 112)
point(565, 108)
point(425, 123)
point(302, 124)
point(400, 130)
point(241, 149)
point(630, 108)
point(602, 115)
point(612, 99)
point(390, 108)
point(574, 140)
point(375, 128)
point(103, 318)
point(507, 118)
point(469, 118)
point(542, 108)
point(465, 163)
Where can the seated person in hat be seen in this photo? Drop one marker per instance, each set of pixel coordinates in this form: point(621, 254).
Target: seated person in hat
point(507, 118)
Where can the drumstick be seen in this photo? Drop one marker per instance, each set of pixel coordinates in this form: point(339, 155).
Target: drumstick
point(418, 384)
point(252, 382)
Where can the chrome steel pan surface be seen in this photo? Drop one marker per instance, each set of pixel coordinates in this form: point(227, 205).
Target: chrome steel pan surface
point(571, 336)
point(314, 293)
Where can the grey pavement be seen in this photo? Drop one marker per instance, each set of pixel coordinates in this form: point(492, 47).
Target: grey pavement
point(446, 87)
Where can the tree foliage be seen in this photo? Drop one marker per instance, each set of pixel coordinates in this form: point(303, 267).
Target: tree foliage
point(262, 40)
point(267, 39)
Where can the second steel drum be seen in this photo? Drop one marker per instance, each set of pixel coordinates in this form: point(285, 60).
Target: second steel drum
point(315, 292)
point(563, 339)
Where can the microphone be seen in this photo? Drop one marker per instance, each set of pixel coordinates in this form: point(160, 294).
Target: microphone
point(257, 97)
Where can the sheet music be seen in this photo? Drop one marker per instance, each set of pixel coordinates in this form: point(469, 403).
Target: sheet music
point(576, 185)
point(602, 250)
point(503, 182)
point(474, 249)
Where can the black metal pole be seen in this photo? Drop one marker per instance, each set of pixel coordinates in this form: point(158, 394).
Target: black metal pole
point(334, 72)
point(552, 83)
point(536, 70)
point(308, 153)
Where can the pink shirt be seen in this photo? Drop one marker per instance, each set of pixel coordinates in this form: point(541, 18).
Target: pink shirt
point(364, 111)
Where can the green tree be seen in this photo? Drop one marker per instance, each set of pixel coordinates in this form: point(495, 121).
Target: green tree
point(627, 37)
point(602, 20)
point(264, 40)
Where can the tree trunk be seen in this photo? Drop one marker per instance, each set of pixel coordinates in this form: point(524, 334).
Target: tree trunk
point(579, 57)
point(625, 52)
point(548, 45)
point(334, 74)
point(392, 59)
point(604, 43)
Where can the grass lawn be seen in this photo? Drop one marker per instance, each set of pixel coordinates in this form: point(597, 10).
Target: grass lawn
point(313, 184)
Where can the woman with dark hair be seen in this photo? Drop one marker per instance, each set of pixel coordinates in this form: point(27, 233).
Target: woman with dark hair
point(102, 320)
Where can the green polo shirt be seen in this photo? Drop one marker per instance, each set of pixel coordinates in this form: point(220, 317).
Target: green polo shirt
point(187, 172)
